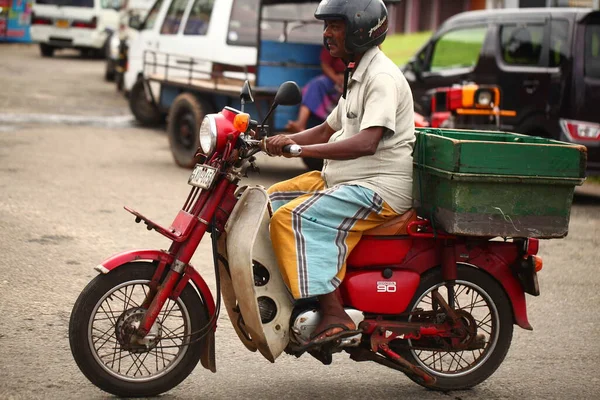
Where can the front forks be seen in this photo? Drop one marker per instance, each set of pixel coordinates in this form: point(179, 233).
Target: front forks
point(158, 295)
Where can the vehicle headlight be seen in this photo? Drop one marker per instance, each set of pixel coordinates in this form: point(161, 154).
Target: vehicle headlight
point(208, 135)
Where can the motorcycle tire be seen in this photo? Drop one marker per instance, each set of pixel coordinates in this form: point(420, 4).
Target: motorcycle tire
point(144, 111)
point(83, 335)
point(493, 354)
point(185, 117)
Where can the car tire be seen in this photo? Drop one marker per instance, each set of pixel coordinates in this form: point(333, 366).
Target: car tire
point(144, 112)
point(184, 120)
point(46, 50)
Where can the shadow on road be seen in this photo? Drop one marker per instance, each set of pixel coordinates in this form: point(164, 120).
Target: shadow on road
point(586, 199)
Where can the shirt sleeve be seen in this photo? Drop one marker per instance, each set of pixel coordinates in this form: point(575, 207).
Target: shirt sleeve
point(380, 103)
point(334, 120)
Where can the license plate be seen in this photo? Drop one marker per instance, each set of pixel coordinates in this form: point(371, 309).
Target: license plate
point(62, 23)
point(203, 176)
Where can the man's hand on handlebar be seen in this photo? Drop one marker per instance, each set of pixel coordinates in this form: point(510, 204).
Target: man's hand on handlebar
point(274, 145)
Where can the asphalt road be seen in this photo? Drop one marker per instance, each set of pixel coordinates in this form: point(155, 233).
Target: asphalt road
point(70, 159)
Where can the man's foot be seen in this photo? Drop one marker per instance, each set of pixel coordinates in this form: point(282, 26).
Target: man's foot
point(331, 325)
point(294, 127)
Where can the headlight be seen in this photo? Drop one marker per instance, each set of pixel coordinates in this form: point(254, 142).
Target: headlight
point(208, 135)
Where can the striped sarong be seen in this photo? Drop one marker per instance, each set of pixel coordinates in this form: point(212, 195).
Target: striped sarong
point(314, 228)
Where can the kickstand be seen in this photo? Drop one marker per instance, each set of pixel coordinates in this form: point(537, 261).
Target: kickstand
point(394, 361)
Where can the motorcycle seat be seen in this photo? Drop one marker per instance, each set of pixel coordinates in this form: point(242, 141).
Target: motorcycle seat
point(394, 227)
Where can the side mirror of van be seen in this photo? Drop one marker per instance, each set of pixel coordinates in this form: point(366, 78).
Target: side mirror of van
point(135, 22)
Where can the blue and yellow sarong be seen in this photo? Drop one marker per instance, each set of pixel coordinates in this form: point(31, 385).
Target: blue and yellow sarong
point(314, 229)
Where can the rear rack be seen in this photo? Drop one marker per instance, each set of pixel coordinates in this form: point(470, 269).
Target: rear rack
point(201, 74)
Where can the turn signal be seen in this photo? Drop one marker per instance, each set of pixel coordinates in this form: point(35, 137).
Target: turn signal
point(241, 122)
point(539, 264)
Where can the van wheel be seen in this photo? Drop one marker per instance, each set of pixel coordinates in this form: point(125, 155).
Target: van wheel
point(144, 111)
point(185, 117)
point(46, 50)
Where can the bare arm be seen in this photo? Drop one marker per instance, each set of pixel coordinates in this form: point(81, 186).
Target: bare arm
point(318, 134)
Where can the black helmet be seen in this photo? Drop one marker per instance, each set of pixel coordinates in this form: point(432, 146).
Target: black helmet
point(366, 21)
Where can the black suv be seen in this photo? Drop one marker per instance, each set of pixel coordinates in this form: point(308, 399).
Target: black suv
point(546, 62)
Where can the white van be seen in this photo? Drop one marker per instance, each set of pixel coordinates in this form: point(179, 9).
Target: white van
point(207, 29)
point(85, 25)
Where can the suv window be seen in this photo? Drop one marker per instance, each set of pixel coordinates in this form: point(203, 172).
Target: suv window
point(592, 51)
point(522, 44)
point(199, 18)
point(459, 48)
point(559, 37)
point(152, 14)
point(173, 18)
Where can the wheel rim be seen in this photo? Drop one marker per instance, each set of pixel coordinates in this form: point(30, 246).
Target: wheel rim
point(174, 322)
point(473, 299)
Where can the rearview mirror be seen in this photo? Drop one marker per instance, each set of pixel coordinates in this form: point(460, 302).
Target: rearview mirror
point(288, 94)
point(246, 93)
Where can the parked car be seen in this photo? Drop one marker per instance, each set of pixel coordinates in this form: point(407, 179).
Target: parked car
point(84, 25)
point(546, 63)
point(116, 51)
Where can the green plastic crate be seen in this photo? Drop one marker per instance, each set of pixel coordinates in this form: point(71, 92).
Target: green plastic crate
point(490, 184)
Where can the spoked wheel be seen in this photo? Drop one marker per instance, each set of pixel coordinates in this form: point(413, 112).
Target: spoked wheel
point(101, 329)
point(485, 314)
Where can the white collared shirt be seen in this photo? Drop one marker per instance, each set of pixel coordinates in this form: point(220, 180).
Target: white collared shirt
point(378, 95)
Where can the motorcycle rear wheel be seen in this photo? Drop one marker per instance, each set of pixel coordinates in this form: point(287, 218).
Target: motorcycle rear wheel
point(484, 298)
point(98, 344)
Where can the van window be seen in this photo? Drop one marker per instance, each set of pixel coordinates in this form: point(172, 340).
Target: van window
point(70, 3)
point(592, 51)
point(173, 18)
point(459, 48)
point(559, 37)
point(522, 44)
point(243, 22)
point(152, 14)
point(199, 18)
point(281, 22)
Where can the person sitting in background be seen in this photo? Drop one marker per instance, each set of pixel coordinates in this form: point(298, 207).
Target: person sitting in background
point(321, 94)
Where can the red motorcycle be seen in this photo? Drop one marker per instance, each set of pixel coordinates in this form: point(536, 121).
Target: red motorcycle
point(437, 307)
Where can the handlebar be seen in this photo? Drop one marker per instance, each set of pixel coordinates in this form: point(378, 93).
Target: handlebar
point(292, 149)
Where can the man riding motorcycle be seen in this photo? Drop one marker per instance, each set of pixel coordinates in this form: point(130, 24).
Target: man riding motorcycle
point(366, 143)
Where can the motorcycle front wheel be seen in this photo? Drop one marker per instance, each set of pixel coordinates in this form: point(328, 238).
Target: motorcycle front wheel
point(483, 298)
point(100, 340)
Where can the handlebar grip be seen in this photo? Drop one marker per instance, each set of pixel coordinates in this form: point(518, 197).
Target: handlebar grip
point(292, 149)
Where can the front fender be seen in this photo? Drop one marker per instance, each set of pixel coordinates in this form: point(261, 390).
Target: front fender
point(120, 259)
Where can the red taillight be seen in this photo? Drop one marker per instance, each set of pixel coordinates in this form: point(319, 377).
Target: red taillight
point(580, 131)
point(454, 99)
point(40, 20)
point(85, 24)
point(532, 246)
